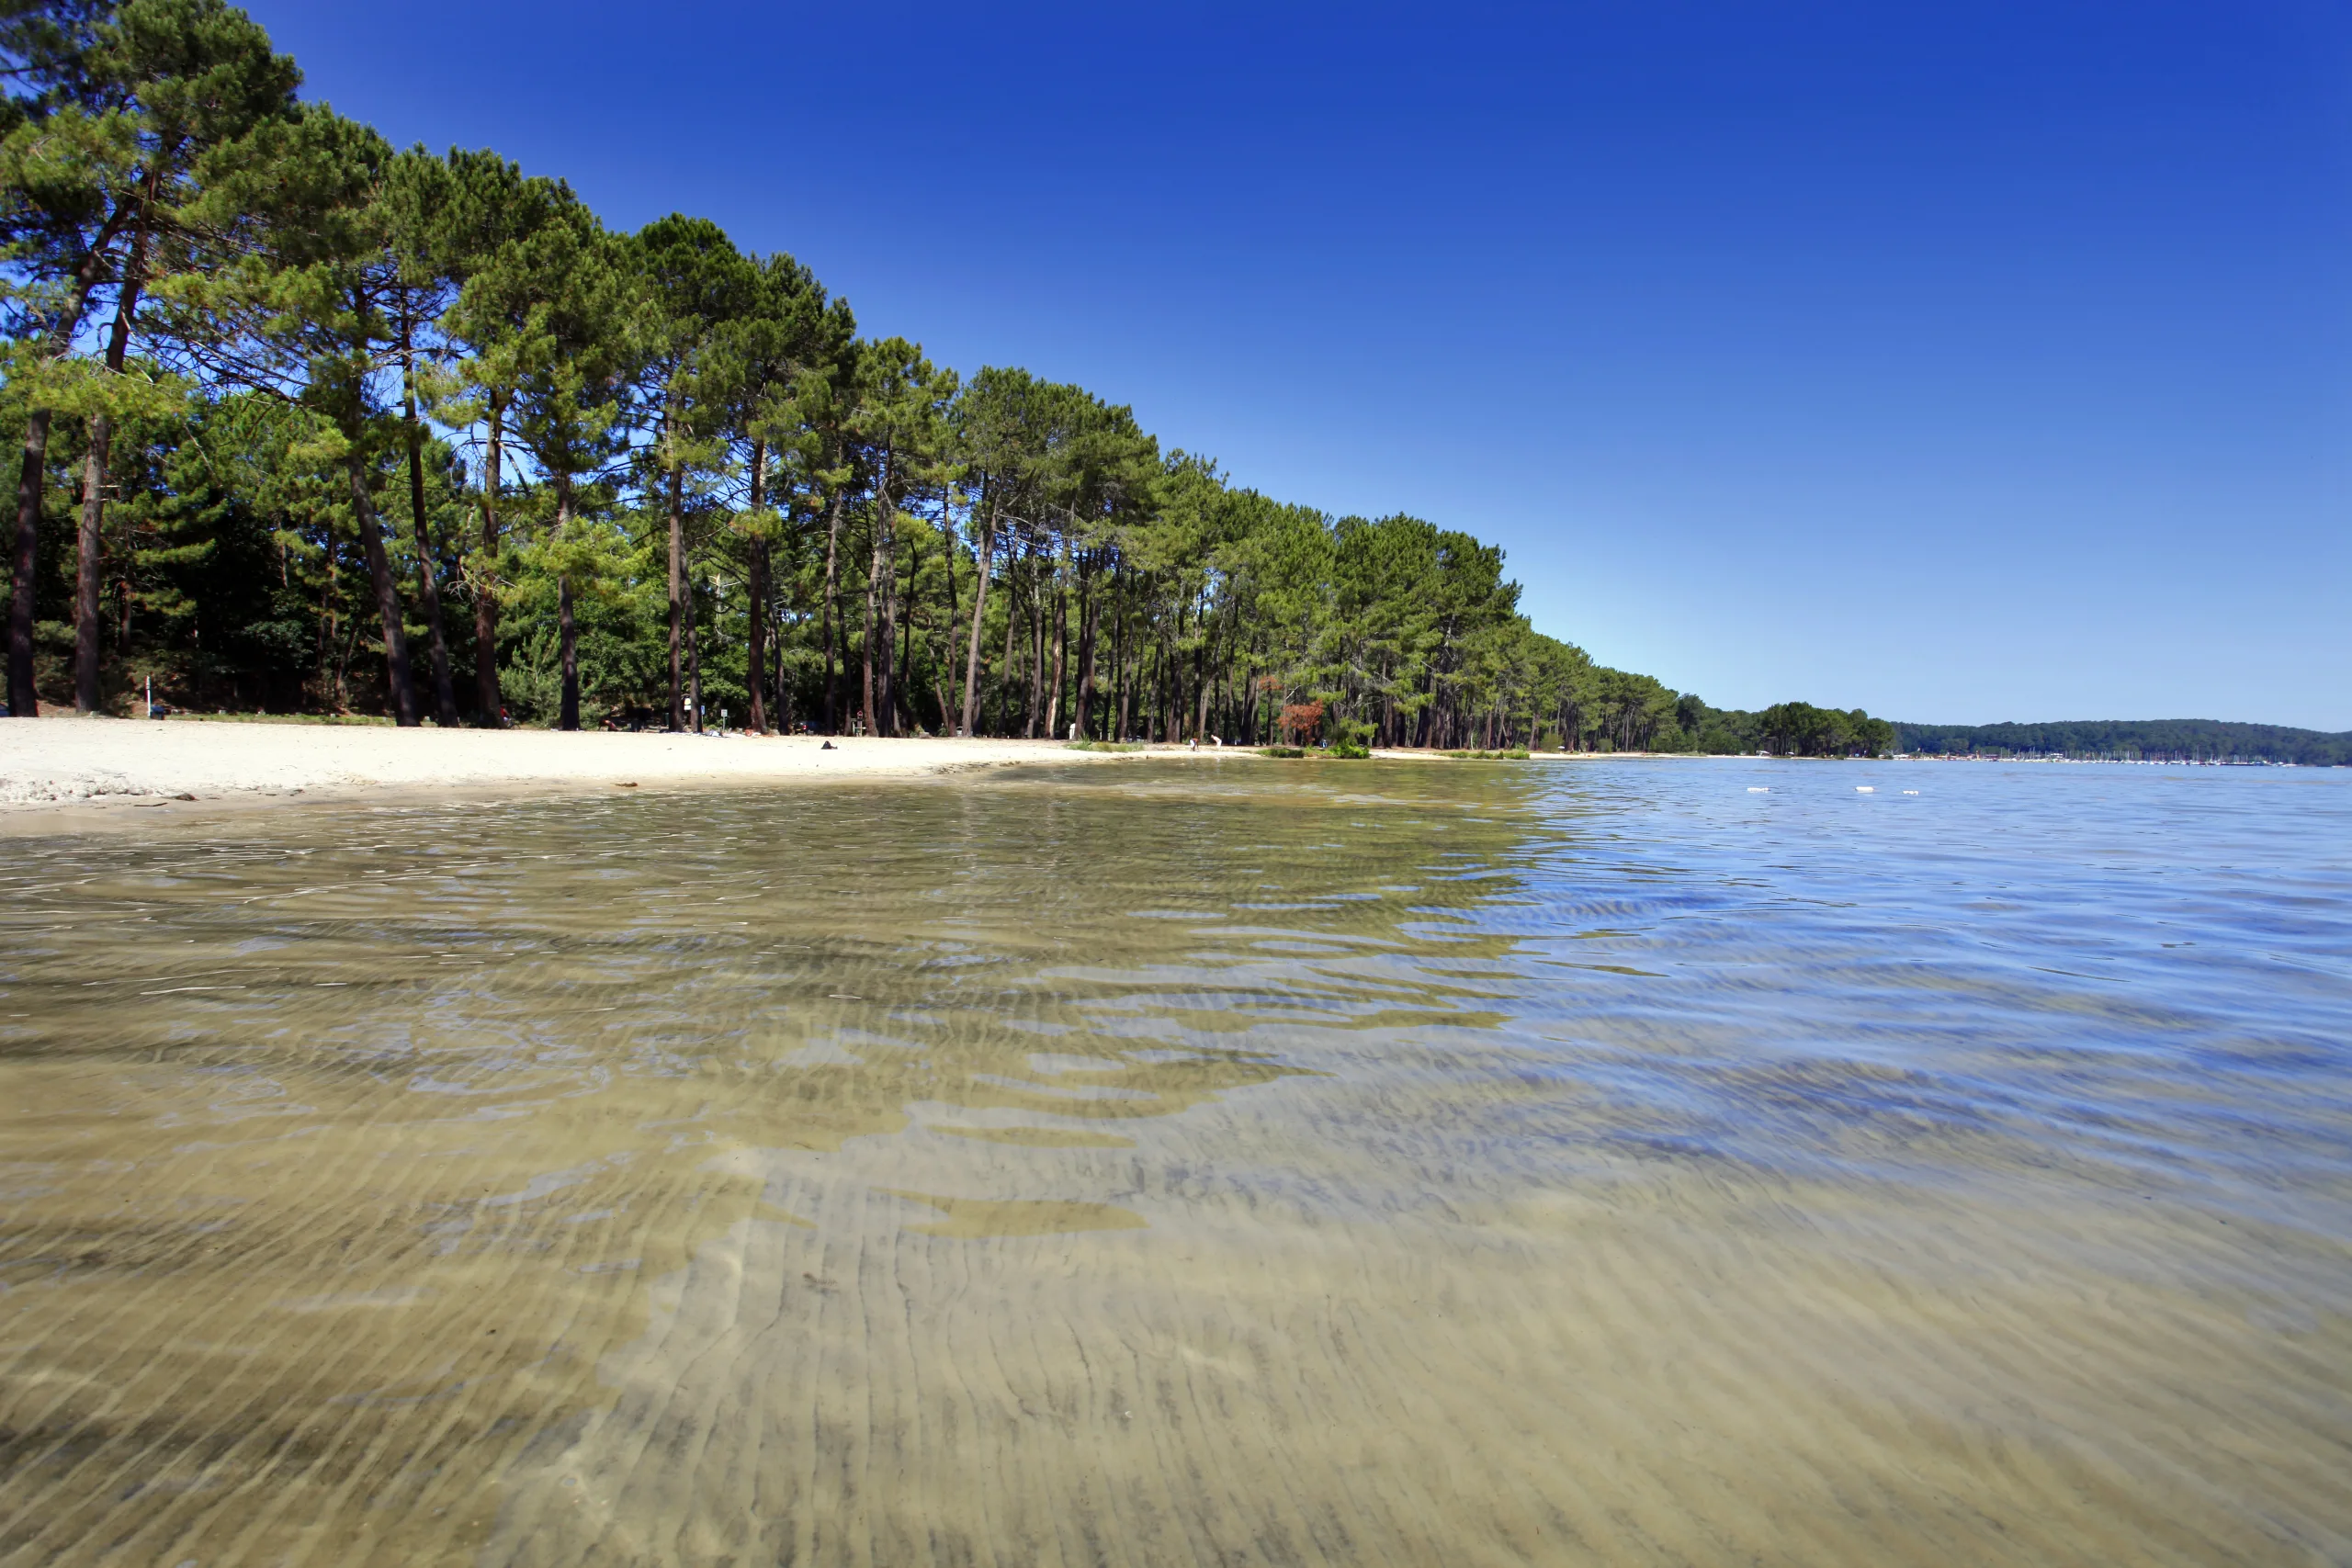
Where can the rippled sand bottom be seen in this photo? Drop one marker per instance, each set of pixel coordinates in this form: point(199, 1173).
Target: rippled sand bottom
point(710, 1198)
point(1661, 1376)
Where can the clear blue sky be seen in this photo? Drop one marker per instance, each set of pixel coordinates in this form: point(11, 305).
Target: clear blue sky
point(1966, 362)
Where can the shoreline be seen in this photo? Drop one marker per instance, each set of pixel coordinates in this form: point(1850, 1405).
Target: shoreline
point(64, 772)
point(72, 771)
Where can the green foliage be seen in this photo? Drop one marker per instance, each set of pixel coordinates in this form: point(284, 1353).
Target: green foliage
point(119, 112)
point(1800, 730)
point(2172, 739)
point(1785, 730)
point(1351, 739)
point(629, 434)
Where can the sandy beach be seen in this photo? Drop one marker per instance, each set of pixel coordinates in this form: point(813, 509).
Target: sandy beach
point(49, 764)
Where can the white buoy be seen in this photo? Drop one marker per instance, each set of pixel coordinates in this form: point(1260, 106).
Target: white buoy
point(1866, 789)
point(1758, 789)
point(1910, 792)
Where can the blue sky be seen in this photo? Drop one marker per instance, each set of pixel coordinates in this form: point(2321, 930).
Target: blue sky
point(1963, 362)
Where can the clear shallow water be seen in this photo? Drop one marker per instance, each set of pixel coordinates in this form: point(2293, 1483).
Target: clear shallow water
point(1225, 1162)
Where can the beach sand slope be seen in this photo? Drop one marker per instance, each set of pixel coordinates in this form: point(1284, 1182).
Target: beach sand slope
point(70, 760)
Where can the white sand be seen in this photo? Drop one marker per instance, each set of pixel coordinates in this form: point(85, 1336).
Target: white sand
point(64, 760)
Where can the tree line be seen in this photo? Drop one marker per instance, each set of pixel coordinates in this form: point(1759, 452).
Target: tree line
point(2138, 741)
point(313, 423)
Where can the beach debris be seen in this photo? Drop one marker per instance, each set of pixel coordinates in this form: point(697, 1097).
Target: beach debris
point(624, 784)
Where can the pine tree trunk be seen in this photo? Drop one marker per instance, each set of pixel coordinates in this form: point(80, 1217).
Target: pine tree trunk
point(987, 546)
point(567, 647)
point(888, 669)
point(1036, 658)
point(1061, 655)
point(331, 687)
point(947, 647)
point(784, 720)
point(1003, 725)
point(944, 648)
point(1201, 675)
point(332, 695)
point(833, 665)
point(85, 565)
point(755, 668)
point(1118, 656)
point(567, 629)
point(342, 662)
point(93, 484)
point(901, 611)
point(898, 629)
point(1127, 689)
point(388, 595)
point(23, 701)
point(878, 571)
point(866, 652)
point(1089, 610)
point(694, 659)
point(486, 698)
point(866, 662)
point(1155, 685)
point(1147, 681)
point(677, 588)
point(445, 700)
point(1172, 681)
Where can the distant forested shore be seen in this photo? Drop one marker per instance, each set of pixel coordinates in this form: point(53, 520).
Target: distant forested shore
point(311, 424)
point(2149, 741)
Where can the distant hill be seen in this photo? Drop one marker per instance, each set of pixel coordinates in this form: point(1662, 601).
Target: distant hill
point(2153, 740)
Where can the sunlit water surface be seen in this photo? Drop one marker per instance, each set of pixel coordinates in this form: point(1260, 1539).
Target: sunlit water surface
point(1227, 1162)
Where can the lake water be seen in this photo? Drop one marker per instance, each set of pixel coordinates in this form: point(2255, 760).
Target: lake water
point(1229, 1161)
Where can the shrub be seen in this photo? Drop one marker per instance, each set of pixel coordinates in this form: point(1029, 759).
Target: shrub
point(1301, 722)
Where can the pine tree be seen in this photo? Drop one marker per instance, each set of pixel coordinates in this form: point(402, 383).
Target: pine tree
point(697, 284)
point(483, 236)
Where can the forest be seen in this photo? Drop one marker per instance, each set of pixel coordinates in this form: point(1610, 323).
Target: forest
point(311, 424)
point(2144, 741)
